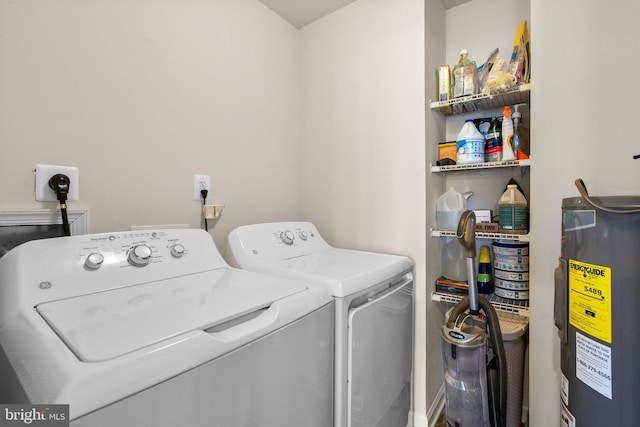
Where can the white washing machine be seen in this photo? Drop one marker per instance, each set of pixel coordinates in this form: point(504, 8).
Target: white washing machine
point(374, 315)
point(155, 329)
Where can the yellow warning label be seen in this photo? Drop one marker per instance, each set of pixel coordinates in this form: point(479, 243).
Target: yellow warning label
point(590, 299)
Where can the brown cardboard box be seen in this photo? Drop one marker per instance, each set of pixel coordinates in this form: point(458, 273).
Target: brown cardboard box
point(487, 227)
point(448, 150)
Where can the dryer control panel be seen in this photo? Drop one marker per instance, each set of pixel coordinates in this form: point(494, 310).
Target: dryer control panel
point(276, 240)
point(296, 235)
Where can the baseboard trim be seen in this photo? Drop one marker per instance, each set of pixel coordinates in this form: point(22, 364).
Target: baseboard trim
point(436, 408)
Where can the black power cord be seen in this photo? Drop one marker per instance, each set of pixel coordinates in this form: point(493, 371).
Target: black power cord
point(60, 183)
point(204, 194)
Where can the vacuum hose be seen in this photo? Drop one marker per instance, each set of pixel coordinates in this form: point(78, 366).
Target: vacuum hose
point(497, 344)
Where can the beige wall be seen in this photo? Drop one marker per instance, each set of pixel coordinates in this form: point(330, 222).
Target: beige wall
point(324, 124)
point(582, 127)
point(435, 48)
point(362, 178)
point(140, 96)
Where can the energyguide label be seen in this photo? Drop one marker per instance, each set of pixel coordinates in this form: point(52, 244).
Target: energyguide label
point(590, 299)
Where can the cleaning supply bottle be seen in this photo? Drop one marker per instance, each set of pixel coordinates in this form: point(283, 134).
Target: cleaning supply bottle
point(464, 76)
point(449, 208)
point(493, 145)
point(520, 135)
point(512, 211)
point(470, 144)
point(507, 136)
point(454, 264)
point(485, 278)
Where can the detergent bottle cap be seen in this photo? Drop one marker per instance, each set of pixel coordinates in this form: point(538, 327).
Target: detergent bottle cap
point(484, 255)
point(507, 112)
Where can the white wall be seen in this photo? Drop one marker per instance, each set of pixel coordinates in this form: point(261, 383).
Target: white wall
point(584, 65)
point(141, 95)
point(435, 47)
point(362, 155)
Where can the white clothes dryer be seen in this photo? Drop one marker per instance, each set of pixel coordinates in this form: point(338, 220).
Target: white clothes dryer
point(374, 315)
point(155, 329)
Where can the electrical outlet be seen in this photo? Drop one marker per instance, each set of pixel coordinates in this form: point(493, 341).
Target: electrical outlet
point(201, 182)
point(44, 193)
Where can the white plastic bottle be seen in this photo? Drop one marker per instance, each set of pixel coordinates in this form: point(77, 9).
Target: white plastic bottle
point(508, 152)
point(470, 144)
point(520, 135)
point(449, 208)
point(512, 211)
point(454, 263)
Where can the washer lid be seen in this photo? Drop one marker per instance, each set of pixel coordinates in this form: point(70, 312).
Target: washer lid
point(343, 271)
point(109, 324)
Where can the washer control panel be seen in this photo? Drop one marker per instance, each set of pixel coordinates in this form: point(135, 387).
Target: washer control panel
point(138, 249)
point(77, 265)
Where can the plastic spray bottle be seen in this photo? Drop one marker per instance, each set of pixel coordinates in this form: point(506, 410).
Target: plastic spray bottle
point(520, 136)
point(508, 153)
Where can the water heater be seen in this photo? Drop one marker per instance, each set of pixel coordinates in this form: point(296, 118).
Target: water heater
point(597, 301)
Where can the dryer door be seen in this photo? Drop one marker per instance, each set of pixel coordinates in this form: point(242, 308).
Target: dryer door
point(380, 358)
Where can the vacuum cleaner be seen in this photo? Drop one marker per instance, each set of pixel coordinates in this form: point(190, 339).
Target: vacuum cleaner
point(474, 358)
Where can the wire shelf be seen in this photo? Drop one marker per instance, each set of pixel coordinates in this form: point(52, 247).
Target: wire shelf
point(520, 308)
point(482, 235)
point(469, 104)
point(485, 165)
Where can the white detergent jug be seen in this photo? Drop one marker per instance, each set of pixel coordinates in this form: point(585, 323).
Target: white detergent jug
point(454, 263)
point(470, 143)
point(449, 208)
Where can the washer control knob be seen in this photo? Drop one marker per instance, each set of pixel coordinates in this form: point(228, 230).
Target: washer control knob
point(94, 260)
point(287, 237)
point(177, 250)
point(139, 255)
point(303, 235)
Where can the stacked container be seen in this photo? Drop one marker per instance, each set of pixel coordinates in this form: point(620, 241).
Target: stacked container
point(511, 270)
point(513, 329)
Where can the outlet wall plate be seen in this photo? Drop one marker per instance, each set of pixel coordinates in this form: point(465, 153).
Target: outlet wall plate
point(201, 182)
point(44, 193)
